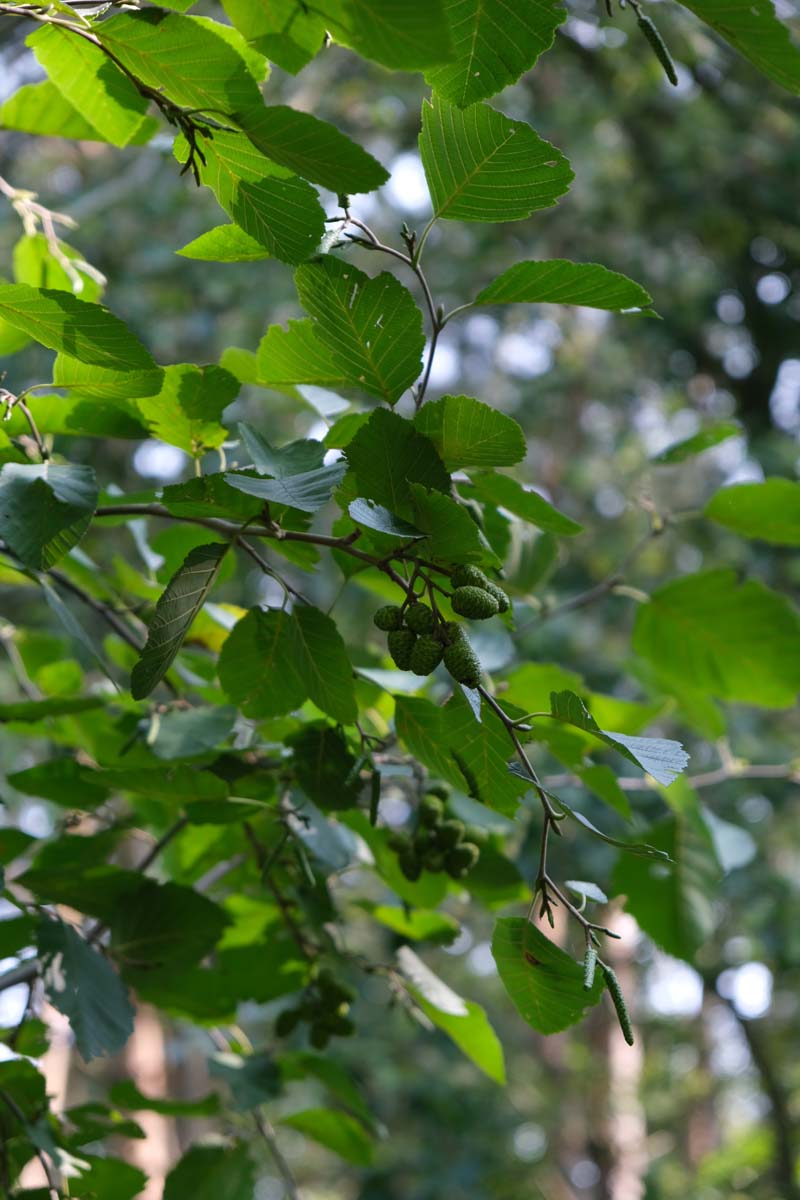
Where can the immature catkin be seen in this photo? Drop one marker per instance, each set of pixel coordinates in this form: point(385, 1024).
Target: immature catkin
point(431, 810)
point(503, 602)
point(469, 576)
point(426, 654)
point(389, 617)
point(463, 663)
point(474, 602)
point(589, 964)
point(401, 643)
point(612, 983)
point(660, 50)
point(419, 618)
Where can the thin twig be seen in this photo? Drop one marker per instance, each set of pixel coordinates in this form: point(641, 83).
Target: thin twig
point(267, 1132)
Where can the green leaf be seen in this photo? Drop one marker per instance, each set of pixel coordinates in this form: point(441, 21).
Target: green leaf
point(184, 733)
point(209, 496)
point(277, 210)
point(482, 166)
point(506, 492)
point(468, 433)
point(544, 983)
point(61, 780)
point(712, 435)
point(472, 757)
point(106, 1179)
point(325, 768)
point(186, 411)
point(639, 849)
point(184, 57)
point(466, 1023)
point(314, 149)
point(92, 84)
point(287, 34)
point(296, 355)
point(736, 641)
point(253, 1079)
point(86, 380)
point(371, 328)
point(370, 515)
point(165, 923)
point(452, 535)
point(309, 491)
point(769, 510)
point(40, 108)
point(85, 331)
point(80, 416)
point(125, 1094)
point(674, 902)
point(212, 1173)
point(558, 281)
point(224, 243)
point(590, 890)
point(45, 510)
point(177, 607)
point(34, 263)
point(387, 455)
point(321, 661)
point(337, 1131)
point(495, 43)
point(404, 35)
point(659, 757)
point(753, 29)
point(418, 925)
point(300, 1064)
point(601, 780)
point(282, 214)
point(16, 933)
point(256, 665)
point(82, 985)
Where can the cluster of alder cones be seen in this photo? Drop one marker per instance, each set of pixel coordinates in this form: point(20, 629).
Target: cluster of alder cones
point(418, 639)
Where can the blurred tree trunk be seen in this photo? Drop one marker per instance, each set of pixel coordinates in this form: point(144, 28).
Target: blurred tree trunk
point(146, 1064)
point(626, 1123)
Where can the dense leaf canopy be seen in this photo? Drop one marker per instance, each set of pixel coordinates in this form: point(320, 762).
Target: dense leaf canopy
point(365, 672)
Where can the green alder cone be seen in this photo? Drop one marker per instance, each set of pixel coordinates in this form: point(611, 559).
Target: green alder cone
point(426, 654)
point(476, 834)
point(503, 602)
point(434, 861)
point(287, 1022)
point(319, 1036)
point(431, 810)
point(422, 840)
point(450, 833)
point(454, 632)
point(463, 663)
point(341, 1026)
point(389, 617)
point(410, 865)
point(469, 576)
point(399, 842)
point(419, 618)
point(401, 644)
point(462, 859)
point(474, 603)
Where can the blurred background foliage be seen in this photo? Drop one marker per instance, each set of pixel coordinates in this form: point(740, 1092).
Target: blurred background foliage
point(691, 191)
